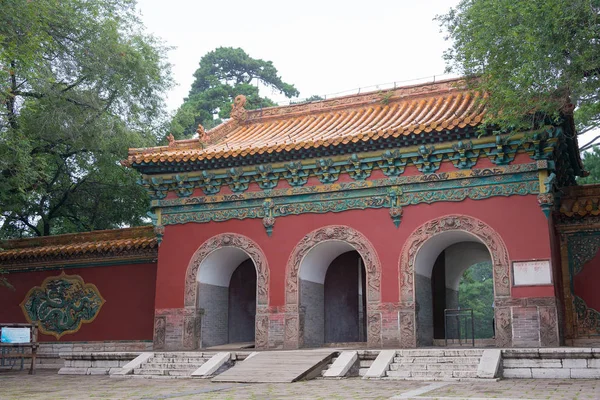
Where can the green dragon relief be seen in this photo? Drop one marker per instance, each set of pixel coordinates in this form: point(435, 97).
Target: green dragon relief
point(62, 304)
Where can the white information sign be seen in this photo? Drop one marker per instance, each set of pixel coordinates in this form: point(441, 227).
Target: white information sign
point(15, 335)
point(532, 273)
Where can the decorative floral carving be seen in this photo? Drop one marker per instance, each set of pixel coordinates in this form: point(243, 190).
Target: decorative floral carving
point(548, 327)
point(588, 319)
point(408, 338)
point(189, 333)
point(160, 330)
point(62, 304)
point(374, 329)
point(582, 248)
point(503, 324)
point(228, 240)
point(261, 332)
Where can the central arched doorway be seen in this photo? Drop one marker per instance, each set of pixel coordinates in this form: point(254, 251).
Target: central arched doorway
point(333, 290)
point(332, 295)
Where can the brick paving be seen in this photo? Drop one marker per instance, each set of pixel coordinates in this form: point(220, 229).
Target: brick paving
point(48, 385)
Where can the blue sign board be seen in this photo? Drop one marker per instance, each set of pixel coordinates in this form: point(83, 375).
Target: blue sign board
point(15, 335)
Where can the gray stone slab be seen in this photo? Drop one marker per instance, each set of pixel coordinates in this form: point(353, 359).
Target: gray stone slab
point(128, 368)
point(489, 364)
point(574, 363)
point(72, 371)
point(585, 373)
point(342, 365)
point(381, 364)
point(531, 363)
point(517, 373)
point(550, 373)
point(212, 365)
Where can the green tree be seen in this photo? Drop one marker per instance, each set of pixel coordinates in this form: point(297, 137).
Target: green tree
point(530, 55)
point(591, 163)
point(223, 74)
point(476, 291)
point(80, 82)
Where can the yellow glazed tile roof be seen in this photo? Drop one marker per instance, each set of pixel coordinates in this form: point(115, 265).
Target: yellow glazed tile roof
point(79, 244)
point(393, 113)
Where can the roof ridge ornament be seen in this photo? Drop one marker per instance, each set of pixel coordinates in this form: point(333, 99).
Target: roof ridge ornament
point(171, 140)
point(238, 112)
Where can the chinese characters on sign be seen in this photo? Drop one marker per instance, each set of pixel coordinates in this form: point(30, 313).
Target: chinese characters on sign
point(530, 273)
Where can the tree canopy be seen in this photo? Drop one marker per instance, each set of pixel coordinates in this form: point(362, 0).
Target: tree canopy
point(80, 82)
point(591, 163)
point(534, 57)
point(223, 74)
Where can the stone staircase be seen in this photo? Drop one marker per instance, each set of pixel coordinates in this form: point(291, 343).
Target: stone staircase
point(435, 364)
point(366, 358)
point(172, 364)
point(328, 366)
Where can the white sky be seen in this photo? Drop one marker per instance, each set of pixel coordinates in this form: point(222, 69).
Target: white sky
point(322, 47)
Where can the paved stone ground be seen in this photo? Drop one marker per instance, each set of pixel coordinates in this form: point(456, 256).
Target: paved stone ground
point(49, 385)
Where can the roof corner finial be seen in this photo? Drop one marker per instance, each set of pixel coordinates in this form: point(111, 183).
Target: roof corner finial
point(238, 112)
point(171, 140)
point(202, 135)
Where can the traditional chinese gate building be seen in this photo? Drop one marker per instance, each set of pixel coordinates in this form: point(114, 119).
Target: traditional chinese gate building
point(353, 219)
point(345, 220)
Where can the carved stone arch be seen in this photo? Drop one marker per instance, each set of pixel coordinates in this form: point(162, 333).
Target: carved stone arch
point(259, 259)
point(294, 324)
point(501, 271)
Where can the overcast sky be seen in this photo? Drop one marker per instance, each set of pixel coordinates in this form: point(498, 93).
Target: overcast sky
point(322, 47)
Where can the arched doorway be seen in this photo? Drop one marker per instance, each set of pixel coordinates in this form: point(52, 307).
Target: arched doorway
point(420, 254)
point(333, 280)
point(227, 297)
point(332, 295)
point(439, 267)
point(227, 282)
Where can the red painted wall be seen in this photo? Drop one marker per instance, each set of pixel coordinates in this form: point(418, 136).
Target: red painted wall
point(127, 314)
point(586, 283)
point(518, 219)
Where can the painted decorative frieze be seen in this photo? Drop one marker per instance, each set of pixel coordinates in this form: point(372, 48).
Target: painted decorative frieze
point(393, 193)
point(62, 304)
point(464, 154)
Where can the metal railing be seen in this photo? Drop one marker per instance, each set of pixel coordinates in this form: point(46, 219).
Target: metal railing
point(464, 320)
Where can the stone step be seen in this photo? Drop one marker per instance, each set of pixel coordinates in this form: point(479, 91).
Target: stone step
point(328, 366)
point(180, 354)
point(433, 367)
point(436, 360)
point(177, 359)
point(159, 372)
point(431, 374)
point(171, 365)
point(365, 363)
point(440, 353)
point(362, 371)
